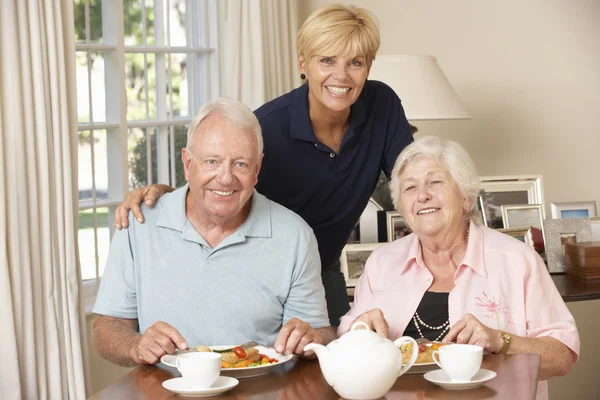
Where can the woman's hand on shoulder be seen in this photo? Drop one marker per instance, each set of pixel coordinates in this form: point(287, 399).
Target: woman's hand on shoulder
point(147, 194)
point(375, 320)
point(469, 330)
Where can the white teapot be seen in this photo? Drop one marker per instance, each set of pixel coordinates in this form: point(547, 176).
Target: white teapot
point(362, 365)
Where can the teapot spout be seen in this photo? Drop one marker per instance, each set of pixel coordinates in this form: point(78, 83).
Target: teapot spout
point(324, 357)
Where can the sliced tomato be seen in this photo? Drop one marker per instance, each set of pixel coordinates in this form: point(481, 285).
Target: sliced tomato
point(238, 351)
point(422, 347)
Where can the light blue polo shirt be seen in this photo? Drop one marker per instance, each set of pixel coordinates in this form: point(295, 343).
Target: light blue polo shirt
point(264, 274)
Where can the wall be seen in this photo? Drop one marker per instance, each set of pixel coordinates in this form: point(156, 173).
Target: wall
point(529, 73)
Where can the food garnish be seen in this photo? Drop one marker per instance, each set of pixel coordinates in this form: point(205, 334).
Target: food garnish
point(237, 357)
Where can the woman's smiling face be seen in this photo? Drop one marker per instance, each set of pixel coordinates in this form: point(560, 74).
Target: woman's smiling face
point(430, 199)
point(334, 82)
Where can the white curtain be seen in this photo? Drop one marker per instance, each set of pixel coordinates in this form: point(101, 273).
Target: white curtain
point(260, 50)
point(42, 326)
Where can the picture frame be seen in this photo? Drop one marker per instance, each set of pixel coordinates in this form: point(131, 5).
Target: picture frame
point(509, 190)
point(559, 231)
point(522, 233)
point(367, 230)
point(484, 210)
point(578, 209)
point(353, 259)
point(396, 226)
point(531, 215)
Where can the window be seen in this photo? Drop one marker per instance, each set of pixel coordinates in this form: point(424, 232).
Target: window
point(143, 68)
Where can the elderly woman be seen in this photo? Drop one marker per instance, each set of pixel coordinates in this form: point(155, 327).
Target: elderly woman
point(327, 141)
point(457, 280)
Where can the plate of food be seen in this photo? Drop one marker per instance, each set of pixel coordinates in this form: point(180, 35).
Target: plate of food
point(424, 362)
point(237, 362)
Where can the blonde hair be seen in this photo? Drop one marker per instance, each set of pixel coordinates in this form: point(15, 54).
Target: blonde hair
point(233, 110)
point(337, 29)
point(449, 154)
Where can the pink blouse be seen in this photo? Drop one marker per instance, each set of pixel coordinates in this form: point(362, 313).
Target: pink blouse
point(501, 281)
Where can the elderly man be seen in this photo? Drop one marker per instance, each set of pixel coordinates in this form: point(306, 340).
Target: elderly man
point(216, 262)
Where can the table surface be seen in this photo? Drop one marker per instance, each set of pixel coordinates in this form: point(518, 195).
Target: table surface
point(302, 379)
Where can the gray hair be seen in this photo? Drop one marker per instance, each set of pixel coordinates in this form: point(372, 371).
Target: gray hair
point(448, 153)
point(233, 110)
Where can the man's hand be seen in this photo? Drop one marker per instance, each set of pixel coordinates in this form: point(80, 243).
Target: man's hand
point(294, 335)
point(147, 194)
point(375, 321)
point(158, 340)
point(470, 330)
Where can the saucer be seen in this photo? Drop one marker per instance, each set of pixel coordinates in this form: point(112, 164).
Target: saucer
point(184, 389)
point(440, 378)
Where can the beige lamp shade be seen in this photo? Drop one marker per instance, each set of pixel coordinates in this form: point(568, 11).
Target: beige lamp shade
point(420, 83)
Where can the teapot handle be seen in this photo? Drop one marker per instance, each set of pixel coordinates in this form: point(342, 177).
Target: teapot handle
point(415, 352)
point(359, 323)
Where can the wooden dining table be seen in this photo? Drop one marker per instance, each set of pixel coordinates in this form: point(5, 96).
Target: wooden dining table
point(517, 378)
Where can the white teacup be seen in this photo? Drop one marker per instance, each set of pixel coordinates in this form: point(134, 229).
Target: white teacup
point(459, 361)
point(199, 369)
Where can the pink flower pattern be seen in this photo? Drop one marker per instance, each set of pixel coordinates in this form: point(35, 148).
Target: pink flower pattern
point(493, 307)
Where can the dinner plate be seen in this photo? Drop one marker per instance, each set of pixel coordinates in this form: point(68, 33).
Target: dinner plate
point(422, 368)
point(440, 378)
point(247, 372)
point(184, 389)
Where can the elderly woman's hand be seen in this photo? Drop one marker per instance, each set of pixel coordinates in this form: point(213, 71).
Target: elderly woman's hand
point(147, 194)
point(375, 321)
point(470, 330)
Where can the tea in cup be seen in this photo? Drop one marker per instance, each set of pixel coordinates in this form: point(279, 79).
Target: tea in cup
point(199, 369)
point(459, 361)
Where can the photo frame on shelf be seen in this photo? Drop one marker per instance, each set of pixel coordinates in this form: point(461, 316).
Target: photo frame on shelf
point(353, 260)
point(508, 190)
point(483, 208)
point(367, 230)
point(522, 233)
point(396, 226)
point(561, 231)
point(578, 209)
point(526, 215)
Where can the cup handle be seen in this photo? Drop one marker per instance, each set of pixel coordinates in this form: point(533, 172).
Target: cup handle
point(359, 323)
point(400, 341)
point(436, 360)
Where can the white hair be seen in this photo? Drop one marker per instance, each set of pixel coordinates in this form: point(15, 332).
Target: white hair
point(233, 110)
point(449, 154)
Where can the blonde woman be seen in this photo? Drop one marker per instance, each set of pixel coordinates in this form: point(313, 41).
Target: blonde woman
point(326, 142)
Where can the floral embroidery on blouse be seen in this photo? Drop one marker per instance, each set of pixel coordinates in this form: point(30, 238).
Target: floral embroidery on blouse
point(495, 308)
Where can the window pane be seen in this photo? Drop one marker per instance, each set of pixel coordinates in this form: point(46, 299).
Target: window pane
point(98, 88)
point(81, 72)
point(176, 24)
point(179, 84)
point(79, 19)
point(141, 146)
point(138, 94)
point(150, 22)
point(132, 10)
point(95, 21)
point(180, 133)
point(101, 164)
point(87, 252)
point(84, 166)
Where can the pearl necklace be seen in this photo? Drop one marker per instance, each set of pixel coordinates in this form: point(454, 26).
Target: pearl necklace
point(445, 326)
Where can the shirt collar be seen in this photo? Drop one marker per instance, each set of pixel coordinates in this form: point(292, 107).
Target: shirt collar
point(473, 257)
point(301, 127)
point(172, 215)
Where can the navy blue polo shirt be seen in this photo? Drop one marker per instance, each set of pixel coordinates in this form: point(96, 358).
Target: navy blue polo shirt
point(329, 190)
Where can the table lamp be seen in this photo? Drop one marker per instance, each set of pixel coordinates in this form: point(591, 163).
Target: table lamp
point(420, 83)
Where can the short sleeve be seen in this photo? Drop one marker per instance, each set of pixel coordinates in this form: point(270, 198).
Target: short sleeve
point(117, 294)
point(306, 299)
point(546, 311)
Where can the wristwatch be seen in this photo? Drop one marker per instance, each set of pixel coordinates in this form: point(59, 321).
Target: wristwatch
point(506, 339)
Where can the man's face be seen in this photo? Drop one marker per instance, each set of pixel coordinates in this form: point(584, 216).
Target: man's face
point(222, 168)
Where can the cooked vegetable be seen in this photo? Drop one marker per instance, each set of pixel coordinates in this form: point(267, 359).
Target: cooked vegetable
point(241, 353)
